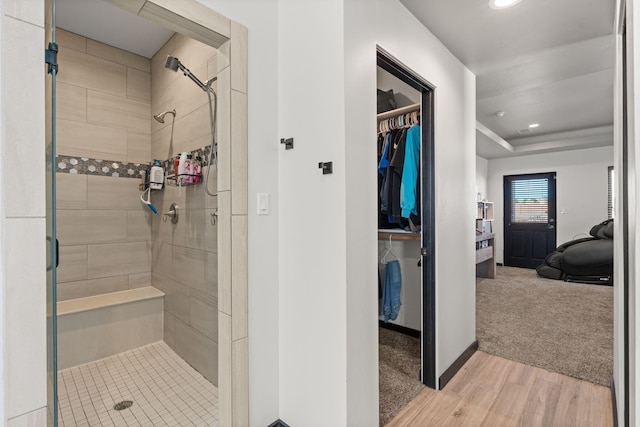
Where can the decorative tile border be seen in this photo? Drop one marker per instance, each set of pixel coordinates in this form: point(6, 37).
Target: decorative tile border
point(115, 169)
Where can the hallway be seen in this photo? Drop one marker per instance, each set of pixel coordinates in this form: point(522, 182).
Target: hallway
point(492, 391)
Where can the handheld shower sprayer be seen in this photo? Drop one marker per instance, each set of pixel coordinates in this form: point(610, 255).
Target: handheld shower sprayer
point(174, 64)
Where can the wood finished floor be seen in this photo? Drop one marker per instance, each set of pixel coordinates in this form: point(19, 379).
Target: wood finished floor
point(491, 391)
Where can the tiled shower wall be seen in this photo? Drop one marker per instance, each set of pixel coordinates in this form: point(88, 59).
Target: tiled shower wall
point(103, 112)
point(185, 259)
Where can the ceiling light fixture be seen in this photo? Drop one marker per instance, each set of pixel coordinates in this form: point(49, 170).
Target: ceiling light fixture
point(534, 125)
point(502, 4)
point(499, 113)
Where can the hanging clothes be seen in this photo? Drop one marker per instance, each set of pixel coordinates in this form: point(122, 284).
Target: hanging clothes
point(396, 167)
point(410, 174)
point(391, 303)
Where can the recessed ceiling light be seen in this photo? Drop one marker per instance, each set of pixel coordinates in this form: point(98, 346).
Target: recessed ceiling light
point(502, 4)
point(499, 113)
point(534, 125)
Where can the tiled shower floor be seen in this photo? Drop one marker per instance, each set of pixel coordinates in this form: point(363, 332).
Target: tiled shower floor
point(165, 391)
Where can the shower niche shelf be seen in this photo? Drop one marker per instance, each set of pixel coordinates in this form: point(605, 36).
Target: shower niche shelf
point(183, 179)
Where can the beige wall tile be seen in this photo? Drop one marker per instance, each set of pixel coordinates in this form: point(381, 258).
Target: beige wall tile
point(138, 85)
point(169, 331)
point(224, 56)
point(239, 155)
point(176, 296)
point(224, 370)
point(162, 231)
point(224, 252)
point(161, 141)
point(194, 230)
point(23, 118)
point(94, 73)
point(125, 258)
point(139, 280)
point(162, 259)
point(71, 191)
point(197, 350)
point(240, 380)
point(118, 56)
point(211, 202)
point(192, 53)
point(139, 147)
point(132, 6)
point(139, 226)
point(73, 263)
point(24, 11)
point(30, 419)
point(71, 102)
point(105, 192)
point(114, 111)
point(212, 66)
point(189, 267)
point(69, 40)
point(212, 273)
point(239, 51)
point(82, 227)
point(239, 279)
point(204, 314)
point(224, 131)
point(87, 288)
point(25, 291)
point(87, 140)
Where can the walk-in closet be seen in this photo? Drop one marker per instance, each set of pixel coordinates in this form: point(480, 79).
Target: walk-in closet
point(405, 235)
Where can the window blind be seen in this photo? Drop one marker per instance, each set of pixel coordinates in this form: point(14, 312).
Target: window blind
point(530, 200)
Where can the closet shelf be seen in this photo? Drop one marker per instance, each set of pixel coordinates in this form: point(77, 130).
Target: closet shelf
point(398, 111)
point(397, 235)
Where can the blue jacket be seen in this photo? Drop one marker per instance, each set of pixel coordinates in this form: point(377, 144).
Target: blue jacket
point(408, 187)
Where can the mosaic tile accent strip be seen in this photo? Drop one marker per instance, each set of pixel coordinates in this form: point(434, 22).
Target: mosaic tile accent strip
point(99, 167)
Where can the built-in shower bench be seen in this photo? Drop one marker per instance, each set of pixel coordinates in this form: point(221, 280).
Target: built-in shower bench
point(99, 326)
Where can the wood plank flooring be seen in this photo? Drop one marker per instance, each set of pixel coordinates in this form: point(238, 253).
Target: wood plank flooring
point(490, 391)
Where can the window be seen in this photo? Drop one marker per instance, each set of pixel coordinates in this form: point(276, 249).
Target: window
point(610, 193)
point(530, 200)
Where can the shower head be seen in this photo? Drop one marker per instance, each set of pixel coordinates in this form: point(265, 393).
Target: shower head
point(174, 64)
point(160, 117)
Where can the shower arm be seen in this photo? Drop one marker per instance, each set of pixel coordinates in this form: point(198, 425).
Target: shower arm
point(204, 86)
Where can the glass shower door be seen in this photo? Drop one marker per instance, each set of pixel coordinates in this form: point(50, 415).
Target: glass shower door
point(52, 246)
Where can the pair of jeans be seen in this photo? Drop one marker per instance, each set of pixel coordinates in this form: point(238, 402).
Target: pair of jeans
point(391, 292)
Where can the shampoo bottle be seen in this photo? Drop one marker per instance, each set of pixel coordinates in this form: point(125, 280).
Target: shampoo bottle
point(156, 176)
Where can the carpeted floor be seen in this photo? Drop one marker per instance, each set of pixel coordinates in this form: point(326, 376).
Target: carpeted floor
point(399, 356)
point(559, 326)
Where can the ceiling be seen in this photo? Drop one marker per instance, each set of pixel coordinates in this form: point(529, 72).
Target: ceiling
point(99, 20)
point(540, 61)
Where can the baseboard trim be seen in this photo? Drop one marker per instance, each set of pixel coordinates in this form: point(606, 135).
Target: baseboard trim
point(399, 328)
point(614, 402)
point(457, 365)
point(499, 264)
point(278, 423)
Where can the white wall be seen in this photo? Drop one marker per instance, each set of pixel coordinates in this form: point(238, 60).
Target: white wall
point(323, 95)
point(581, 189)
point(482, 176)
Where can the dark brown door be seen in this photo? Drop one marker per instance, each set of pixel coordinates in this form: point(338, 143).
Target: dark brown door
point(529, 219)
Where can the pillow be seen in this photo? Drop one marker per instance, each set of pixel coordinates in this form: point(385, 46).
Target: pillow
point(386, 101)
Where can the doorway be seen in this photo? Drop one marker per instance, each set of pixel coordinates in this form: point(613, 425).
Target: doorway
point(406, 239)
point(214, 30)
point(529, 219)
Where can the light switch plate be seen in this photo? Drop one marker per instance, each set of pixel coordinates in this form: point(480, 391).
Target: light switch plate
point(263, 203)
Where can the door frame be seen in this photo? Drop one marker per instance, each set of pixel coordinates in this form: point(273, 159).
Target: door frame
point(428, 239)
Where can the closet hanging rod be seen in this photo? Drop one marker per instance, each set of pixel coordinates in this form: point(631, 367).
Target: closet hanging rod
point(398, 111)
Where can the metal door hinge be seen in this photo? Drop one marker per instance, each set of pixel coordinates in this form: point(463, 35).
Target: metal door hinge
point(51, 58)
